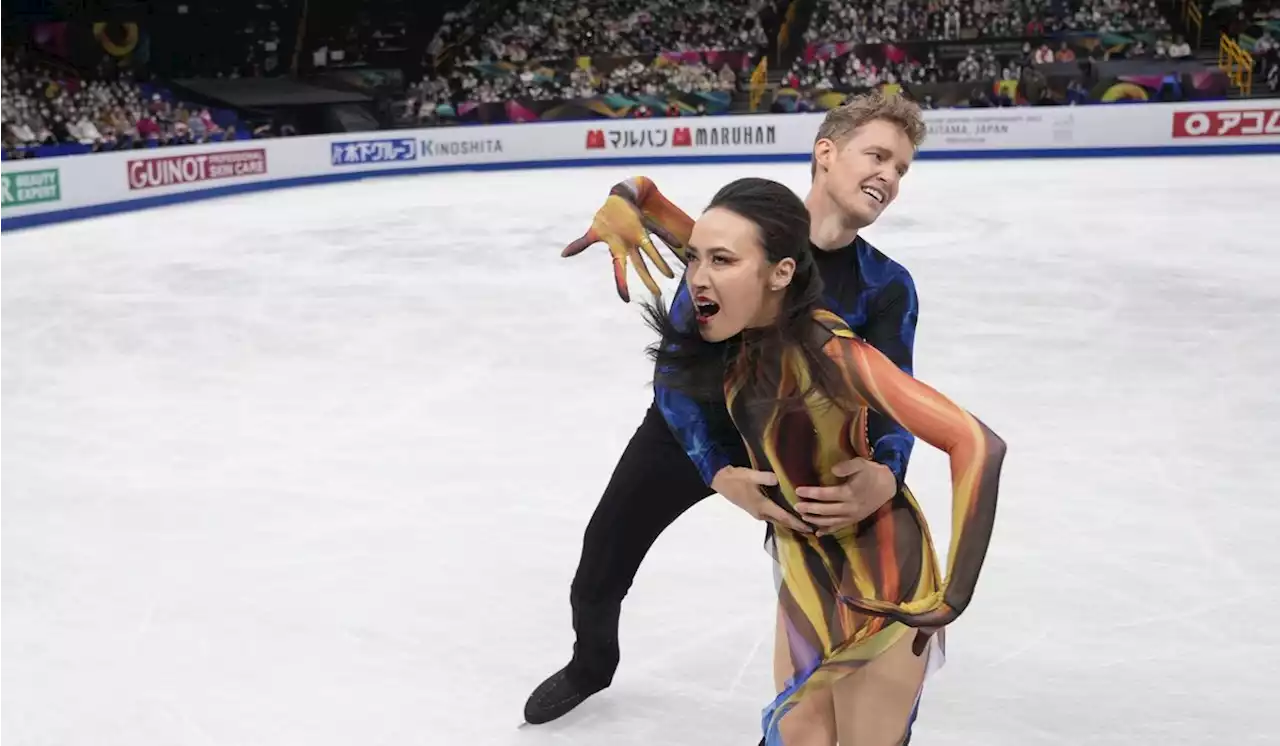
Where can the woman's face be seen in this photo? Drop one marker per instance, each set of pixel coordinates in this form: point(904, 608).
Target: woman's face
point(730, 278)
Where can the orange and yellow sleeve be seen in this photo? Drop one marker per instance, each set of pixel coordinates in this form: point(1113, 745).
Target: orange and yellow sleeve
point(976, 455)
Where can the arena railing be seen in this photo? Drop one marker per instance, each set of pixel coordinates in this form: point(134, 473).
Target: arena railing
point(1236, 63)
point(1193, 18)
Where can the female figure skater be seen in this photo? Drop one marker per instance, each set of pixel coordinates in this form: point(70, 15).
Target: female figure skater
point(858, 608)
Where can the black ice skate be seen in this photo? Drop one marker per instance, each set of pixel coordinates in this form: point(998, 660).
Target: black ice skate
point(555, 697)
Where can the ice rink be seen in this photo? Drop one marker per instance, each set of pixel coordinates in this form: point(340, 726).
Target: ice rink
point(311, 467)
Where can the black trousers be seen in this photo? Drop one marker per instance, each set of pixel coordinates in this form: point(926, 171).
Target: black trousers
point(652, 485)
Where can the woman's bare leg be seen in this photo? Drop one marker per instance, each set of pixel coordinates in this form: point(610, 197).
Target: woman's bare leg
point(873, 704)
point(813, 721)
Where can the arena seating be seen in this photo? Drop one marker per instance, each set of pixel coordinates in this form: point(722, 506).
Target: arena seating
point(50, 110)
point(644, 58)
point(525, 60)
point(991, 53)
point(1249, 33)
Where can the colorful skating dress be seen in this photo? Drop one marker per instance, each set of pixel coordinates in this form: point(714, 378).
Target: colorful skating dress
point(849, 596)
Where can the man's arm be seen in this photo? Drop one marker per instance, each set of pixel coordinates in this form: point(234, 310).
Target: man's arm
point(891, 329)
point(634, 209)
point(866, 485)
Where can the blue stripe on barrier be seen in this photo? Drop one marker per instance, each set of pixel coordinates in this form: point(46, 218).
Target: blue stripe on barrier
point(110, 208)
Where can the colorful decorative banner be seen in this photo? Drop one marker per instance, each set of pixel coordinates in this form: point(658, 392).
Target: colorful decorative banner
point(828, 50)
point(83, 43)
point(1082, 43)
point(711, 58)
point(1198, 86)
point(611, 106)
point(1249, 37)
point(1115, 88)
point(549, 70)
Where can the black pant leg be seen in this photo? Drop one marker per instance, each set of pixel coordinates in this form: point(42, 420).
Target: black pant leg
point(652, 485)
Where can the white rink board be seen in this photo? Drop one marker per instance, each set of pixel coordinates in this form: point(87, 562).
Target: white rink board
point(112, 182)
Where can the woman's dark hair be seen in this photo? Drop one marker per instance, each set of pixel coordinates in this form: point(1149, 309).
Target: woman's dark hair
point(689, 364)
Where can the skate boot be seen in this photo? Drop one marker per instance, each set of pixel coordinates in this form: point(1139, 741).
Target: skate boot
point(595, 658)
point(555, 697)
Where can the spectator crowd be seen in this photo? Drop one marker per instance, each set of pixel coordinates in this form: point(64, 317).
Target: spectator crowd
point(541, 42)
point(852, 72)
point(863, 22)
point(45, 106)
point(874, 22)
point(468, 83)
point(557, 50)
point(561, 29)
point(1255, 25)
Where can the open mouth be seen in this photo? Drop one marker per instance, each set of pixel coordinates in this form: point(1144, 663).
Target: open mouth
point(874, 193)
point(705, 309)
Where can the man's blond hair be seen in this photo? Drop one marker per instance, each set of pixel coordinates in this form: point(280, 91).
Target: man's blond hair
point(842, 121)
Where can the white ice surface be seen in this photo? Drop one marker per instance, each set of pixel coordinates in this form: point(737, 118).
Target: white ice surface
point(312, 467)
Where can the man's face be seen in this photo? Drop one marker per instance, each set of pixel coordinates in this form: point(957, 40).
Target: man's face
point(863, 174)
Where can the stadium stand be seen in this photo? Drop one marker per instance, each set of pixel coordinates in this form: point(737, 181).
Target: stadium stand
point(239, 69)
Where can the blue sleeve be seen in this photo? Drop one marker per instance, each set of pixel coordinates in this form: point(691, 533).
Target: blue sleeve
point(691, 422)
point(891, 329)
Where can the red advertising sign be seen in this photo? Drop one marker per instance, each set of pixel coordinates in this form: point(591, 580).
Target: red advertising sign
point(681, 136)
point(1231, 123)
point(171, 170)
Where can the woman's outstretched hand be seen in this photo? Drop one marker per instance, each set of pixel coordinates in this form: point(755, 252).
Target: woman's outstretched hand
point(634, 209)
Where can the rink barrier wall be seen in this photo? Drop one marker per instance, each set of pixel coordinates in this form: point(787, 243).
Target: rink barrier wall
point(50, 190)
